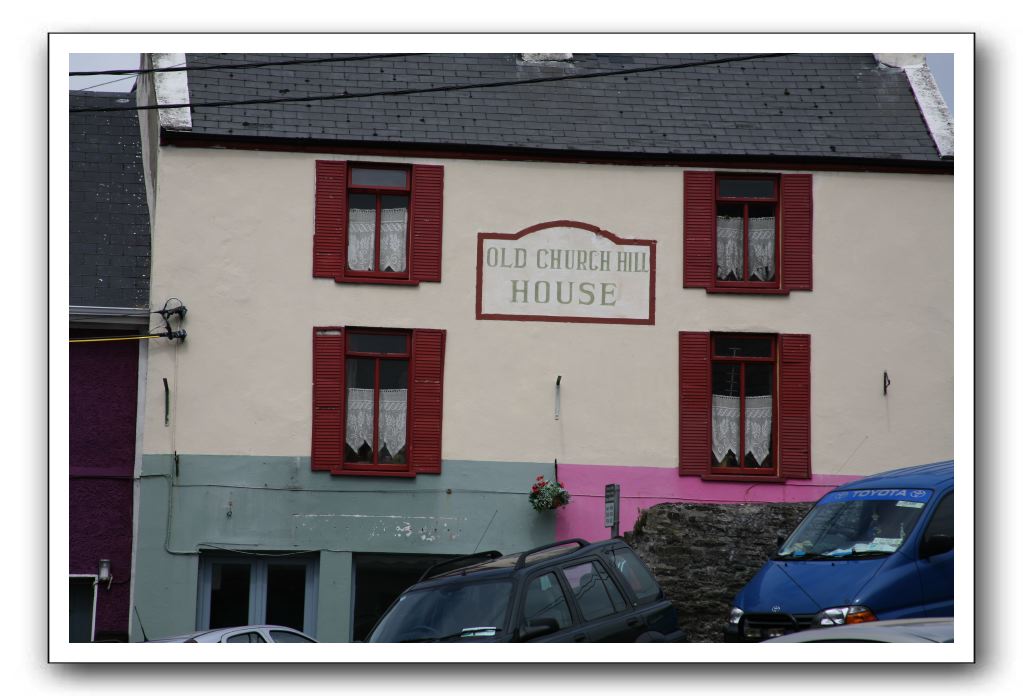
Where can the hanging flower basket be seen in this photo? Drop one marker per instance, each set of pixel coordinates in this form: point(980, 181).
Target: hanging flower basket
point(547, 495)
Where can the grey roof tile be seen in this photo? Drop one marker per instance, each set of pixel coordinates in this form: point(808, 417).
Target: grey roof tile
point(777, 100)
point(109, 216)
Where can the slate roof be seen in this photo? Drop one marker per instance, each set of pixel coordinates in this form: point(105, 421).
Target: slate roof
point(830, 106)
point(109, 216)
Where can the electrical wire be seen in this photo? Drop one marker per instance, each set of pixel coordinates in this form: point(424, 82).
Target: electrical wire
point(102, 84)
point(241, 66)
point(444, 88)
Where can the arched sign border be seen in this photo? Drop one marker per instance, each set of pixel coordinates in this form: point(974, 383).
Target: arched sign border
point(649, 243)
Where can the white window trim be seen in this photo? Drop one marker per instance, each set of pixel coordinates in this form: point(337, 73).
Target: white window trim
point(95, 581)
point(257, 587)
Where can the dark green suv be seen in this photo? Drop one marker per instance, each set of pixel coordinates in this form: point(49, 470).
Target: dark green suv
point(569, 591)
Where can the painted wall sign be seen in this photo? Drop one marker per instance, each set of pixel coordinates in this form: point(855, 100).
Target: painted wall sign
point(565, 271)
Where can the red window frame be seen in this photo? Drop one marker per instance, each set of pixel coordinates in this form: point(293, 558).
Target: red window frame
point(745, 201)
point(791, 412)
point(793, 253)
point(376, 467)
point(742, 361)
point(379, 192)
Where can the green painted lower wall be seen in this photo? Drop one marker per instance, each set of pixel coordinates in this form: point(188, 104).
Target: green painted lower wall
point(207, 503)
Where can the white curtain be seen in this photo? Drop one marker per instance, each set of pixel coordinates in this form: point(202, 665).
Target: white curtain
point(393, 415)
point(725, 425)
point(393, 222)
point(761, 248)
point(361, 227)
point(729, 247)
point(361, 224)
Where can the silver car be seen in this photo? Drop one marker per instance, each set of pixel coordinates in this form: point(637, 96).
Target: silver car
point(263, 633)
point(891, 631)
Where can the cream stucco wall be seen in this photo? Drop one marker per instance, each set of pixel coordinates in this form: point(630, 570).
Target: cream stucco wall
point(233, 240)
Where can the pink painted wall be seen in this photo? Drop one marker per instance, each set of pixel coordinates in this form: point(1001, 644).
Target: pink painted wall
point(643, 487)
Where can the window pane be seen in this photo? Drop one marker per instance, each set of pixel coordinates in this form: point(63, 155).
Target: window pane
point(761, 242)
point(591, 593)
point(377, 343)
point(286, 637)
point(737, 347)
point(285, 595)
point(545, 600)
point(360, 383)
point(746, 188)
point(246, 638)
point(80, 601)
point(373, 176)
point(362, 220)
point(726, 390)
point(730, 244)
point(393, 410)
point(393, 224)
point(229, 595)
point(759, 410)
point(636, 574)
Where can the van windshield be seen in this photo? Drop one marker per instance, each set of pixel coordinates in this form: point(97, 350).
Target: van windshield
point(860, 523)
point(446, 612)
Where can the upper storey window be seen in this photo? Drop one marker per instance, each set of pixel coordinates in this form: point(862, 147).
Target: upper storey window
point(746, 233)
point(378, 223)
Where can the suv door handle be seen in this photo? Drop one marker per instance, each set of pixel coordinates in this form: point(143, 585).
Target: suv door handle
point(633, 622)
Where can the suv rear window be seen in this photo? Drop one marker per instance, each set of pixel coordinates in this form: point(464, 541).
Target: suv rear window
point(594, 592)
point(446, 611)
point(643, 585)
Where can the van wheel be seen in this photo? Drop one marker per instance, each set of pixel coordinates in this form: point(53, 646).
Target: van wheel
point(650, 637)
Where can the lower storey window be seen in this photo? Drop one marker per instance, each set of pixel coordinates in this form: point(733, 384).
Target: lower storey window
point(376, 403)
point(239, 591)
point(744, 406)
point(742, 402)
point(82, 606)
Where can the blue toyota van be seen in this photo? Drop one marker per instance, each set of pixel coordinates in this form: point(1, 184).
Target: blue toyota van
point(873, 549)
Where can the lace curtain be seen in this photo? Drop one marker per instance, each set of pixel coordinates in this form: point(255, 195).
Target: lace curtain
point(730, 248)
point(361, 225)
point(359, 419)
point(725, 425)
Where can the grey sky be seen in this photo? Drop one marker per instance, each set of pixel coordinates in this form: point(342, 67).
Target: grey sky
point(940, 64)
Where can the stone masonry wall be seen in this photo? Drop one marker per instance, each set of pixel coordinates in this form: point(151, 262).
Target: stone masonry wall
point(703, 554)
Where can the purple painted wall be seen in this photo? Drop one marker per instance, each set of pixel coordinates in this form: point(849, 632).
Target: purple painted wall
point(643, 487)
point(103, 390)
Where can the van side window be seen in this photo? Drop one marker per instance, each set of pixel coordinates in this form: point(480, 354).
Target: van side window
point(636, 575)
point(941, 522)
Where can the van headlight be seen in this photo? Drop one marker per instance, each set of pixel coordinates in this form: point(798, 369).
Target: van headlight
point(840, 616)
point(734, 616)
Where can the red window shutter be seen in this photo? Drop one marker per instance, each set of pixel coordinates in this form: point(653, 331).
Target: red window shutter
point(698, 223)
point(694, 403)
point(328, 402)
point(331, 216)
point(794, 406)
point(427, 217)
point(426, 409)
point(797, 231)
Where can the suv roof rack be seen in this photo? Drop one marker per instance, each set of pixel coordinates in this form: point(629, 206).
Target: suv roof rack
point(521, 563)
point(484, 555)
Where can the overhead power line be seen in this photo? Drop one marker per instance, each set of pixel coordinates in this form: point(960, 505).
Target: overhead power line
point(443, 88)
point(241, 66)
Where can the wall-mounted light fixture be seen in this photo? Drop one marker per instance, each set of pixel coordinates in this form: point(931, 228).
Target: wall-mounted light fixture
point(104, 574)
point(557, 398)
